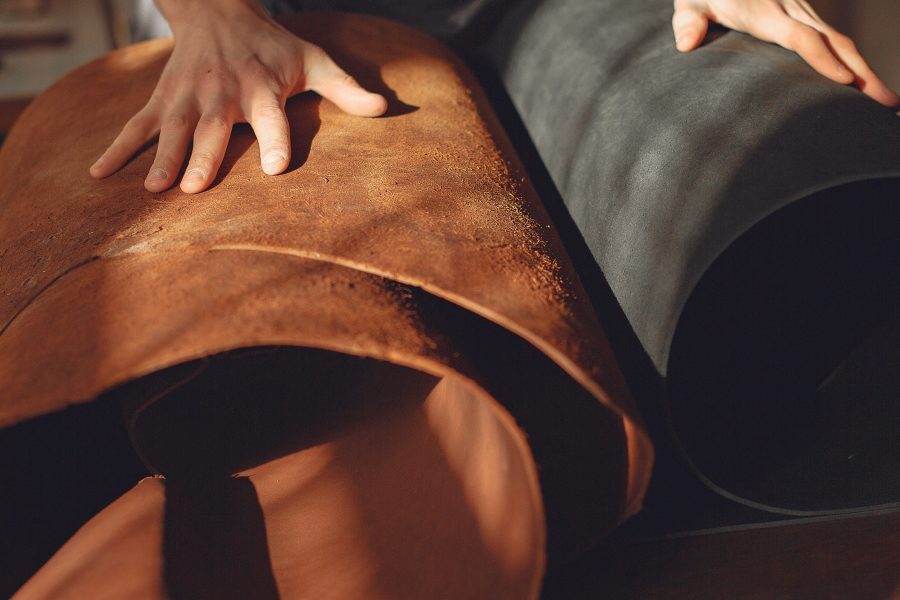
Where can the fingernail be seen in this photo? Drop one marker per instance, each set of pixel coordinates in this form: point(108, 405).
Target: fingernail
point(272, 162)
point(683, 40)
point(98, 163)
point(157, 174)
point(194, 176)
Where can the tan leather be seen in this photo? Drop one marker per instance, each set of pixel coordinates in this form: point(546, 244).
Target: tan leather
point(404, 503)
point(103, 283)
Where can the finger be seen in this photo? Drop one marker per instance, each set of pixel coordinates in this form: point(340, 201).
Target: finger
point(137, 131)
point(803, 12)
point(690, 25)
point(210, 142)
point(270, 124)
point(173, 143)
point(865, 78)
point(846, 51)
point(330, 81)
point(808, 43)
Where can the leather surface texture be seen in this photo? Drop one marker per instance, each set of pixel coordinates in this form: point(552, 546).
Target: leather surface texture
point(664, 159)
point(376, 220)
point(743, 210)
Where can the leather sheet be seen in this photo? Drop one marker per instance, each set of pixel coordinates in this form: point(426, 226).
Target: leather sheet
point(743, 210)
point(379, 231)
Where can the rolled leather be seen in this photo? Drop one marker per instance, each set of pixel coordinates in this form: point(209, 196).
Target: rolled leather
point(413, 240)
point(743, 210)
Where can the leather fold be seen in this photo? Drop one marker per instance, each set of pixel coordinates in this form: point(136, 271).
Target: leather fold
point(415, 239)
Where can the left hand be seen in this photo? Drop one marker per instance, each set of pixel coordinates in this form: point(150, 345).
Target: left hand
point(792, 24)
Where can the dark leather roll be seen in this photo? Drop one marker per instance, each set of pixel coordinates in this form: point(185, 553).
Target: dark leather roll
point(743, 211)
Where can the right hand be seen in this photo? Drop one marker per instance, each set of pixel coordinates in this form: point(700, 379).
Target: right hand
point(792, 24)
point(231, 63)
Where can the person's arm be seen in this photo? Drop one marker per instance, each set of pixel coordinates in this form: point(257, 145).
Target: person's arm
point(231, 63)
point(792, 24)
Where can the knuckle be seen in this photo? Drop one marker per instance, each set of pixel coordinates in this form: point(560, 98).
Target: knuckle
point(176, 121)
point(800, 36)
point(202, 159)
point(843, 42)
point(252, 68)
point(269, 112)
point(217, 81)
point(215, 121)
point(142, 120)
point(314, 52)
point(346, 79)
point(160, 98)
point(216, 74)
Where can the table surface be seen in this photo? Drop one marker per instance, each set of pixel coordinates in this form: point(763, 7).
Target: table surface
point(841, 558)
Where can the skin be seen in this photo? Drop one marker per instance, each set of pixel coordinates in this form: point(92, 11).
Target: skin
point(232, 63)
point(792, 24)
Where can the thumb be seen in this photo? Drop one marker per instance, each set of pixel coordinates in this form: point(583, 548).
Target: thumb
point(689, 24)
point(330, 81)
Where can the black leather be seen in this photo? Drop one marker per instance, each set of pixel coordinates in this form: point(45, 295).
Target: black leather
point(664, 161)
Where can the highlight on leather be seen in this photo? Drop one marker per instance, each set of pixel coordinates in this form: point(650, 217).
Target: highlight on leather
point(386, 346)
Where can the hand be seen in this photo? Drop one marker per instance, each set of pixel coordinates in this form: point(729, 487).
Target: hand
point(789, 23)
point(231, 63)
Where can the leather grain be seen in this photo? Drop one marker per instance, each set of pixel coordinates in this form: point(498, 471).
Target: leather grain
point(665, 159)
point(104, 283)
point(743, 210)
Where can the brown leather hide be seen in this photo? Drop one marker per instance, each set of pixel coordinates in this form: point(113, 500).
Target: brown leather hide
point(378, 231)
